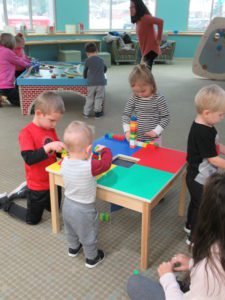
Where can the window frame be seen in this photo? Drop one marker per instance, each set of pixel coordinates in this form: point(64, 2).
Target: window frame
point(110, 20)
point(210, 17)
point(30, 13)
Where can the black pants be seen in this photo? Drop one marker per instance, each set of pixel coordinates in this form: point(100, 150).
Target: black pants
point(12, 95)
point(149, 58)
point(37, 201)
point(196, 191)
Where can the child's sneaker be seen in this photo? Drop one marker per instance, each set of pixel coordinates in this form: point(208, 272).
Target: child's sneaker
point(189, 241)
point(91, 263)
point(3, 199)
point(74, 252)
point(187, 228)
point(19, 192)
point(85, 116)
point(98, 114)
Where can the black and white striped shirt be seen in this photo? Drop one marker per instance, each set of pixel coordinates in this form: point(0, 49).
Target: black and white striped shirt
point(151, 113)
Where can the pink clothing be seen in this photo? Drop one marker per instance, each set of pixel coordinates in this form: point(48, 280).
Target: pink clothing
point(201, 288)
point(19, 51)
point(8, 62)
point(147, 36)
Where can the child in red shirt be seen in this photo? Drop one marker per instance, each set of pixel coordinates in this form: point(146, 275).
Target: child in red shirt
point(38, 144)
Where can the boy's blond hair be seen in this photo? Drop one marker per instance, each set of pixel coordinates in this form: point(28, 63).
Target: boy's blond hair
point(49, 102)
point(77, 136)
point(8, 40)
point(142, 73)
point(211, 97)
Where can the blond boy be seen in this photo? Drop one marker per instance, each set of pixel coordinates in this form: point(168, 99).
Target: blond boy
point(79, 212)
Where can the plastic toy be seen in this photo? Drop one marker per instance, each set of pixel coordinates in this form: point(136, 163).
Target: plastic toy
point(116, 137)
point(133, 131)
point(136, 272)
point(104, 217)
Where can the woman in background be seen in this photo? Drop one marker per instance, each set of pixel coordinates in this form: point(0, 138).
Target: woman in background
point(149, 39)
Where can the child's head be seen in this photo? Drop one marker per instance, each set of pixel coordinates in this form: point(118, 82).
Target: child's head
point(49, 108)
point(142, 81)
point(210, 103)
point(8, 40)
point(91, 48)
point(210, 226)
point(20, 41)
point(78, 138)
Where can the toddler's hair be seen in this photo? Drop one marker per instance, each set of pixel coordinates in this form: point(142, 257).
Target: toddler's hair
point(91, 48)
point(141, 73)
point(211, 97)
point(19, 38)
point(49, 102)
point(77, 136)
point(8, 40)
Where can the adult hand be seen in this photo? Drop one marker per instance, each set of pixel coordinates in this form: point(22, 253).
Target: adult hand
point(180, 262)
point(165, 267)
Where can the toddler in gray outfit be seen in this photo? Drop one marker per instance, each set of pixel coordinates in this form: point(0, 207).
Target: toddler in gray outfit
point(94, 71)
point(78, 171)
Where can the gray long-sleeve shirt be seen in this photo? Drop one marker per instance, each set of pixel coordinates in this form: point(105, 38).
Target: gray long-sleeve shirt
point(94, 69)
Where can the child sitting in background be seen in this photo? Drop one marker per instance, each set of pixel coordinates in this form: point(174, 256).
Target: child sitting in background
point(94, 69)
point(203, 148)
point(78, 171)
point(207, 268)
point(38, 144)
point(8, 62)
point(19, 50)
point(149, 107)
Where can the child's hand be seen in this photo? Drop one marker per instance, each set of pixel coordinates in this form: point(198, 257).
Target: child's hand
point(180, 262)
point(99, 148)
point(127, 135)
point(151, 134)
point(56, 146)
point(165, 267)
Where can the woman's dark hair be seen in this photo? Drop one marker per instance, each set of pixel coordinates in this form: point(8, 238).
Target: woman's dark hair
point(210, 227)
point(141, 10)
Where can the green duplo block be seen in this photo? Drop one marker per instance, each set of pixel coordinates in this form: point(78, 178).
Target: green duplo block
point(105, 217)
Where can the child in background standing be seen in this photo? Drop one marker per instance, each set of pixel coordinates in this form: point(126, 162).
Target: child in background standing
point(203, 148)
point(149, 107)
point(78, 171)
point(8, 62)
point(94, 70)
point(19, 51)
point(38, 144)
point(207, 268)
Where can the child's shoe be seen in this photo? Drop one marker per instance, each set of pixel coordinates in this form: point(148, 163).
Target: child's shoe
point(3, 200)
point(85, 116)
point(189, 241)
point(20, 192)
point(98, 114)
point(91, 263)
point(74, 252)
point(187, 228)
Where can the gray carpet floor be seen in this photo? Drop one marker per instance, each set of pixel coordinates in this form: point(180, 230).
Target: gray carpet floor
point(34, 261)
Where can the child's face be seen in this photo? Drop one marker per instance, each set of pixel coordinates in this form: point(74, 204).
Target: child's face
point(213, 118)
point(21, 44)
point(47, 121)
point(142, 89)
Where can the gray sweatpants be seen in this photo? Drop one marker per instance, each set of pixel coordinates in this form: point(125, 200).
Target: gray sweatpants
point(94, 99)
point(140, 287)
point(81, 226)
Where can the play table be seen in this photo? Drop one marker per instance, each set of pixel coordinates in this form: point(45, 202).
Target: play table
point(66, 77)
point(138, 179)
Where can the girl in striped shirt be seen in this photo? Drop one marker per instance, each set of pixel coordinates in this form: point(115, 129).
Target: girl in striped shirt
point(149, 107)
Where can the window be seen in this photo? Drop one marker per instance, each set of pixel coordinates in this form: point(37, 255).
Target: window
point(30, 12)
point(113, 14)
point(201, 12)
